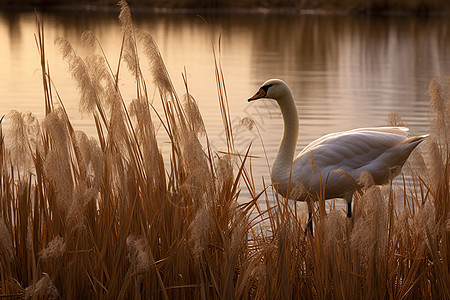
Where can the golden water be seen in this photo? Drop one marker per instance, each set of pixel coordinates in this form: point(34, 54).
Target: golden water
point(345, 72)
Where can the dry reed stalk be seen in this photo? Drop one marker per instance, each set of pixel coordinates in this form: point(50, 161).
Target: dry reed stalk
point(108, 218)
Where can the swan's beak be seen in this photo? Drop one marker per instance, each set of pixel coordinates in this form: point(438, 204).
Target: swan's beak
point(260, 94)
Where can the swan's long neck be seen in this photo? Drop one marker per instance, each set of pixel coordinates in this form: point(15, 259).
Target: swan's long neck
point(286, 151)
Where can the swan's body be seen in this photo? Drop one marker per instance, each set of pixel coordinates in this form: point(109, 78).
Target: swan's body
point(381, 151)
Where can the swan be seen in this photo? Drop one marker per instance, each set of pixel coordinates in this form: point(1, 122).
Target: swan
point(318, 168)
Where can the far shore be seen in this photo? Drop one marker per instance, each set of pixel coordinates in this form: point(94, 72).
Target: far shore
point(358, 7)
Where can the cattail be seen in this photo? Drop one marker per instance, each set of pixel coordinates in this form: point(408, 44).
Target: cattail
point(55, 248)
point(43, 288)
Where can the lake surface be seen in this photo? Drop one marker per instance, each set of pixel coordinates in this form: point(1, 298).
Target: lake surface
point(344, 71)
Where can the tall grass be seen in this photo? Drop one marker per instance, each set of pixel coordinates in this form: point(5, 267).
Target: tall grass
point(111, 217)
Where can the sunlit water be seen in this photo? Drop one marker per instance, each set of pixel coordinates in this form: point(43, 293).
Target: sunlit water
point(345, 72)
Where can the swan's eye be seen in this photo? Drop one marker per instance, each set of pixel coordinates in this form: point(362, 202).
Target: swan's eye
point(266, 87)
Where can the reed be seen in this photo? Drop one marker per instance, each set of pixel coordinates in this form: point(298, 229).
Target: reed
point(112, 217)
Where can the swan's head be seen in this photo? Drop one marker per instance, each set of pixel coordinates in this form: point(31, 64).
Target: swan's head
point(271, 89)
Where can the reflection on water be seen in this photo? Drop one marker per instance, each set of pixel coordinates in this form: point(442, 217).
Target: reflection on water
point(344, 71)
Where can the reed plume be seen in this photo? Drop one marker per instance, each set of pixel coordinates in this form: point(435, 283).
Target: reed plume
point(22, 139)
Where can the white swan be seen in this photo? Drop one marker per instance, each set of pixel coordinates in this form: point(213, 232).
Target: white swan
point(381, 151)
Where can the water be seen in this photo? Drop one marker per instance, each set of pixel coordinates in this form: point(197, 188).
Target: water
point(344, 71)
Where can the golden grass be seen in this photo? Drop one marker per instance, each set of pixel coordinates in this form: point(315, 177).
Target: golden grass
point(109, 218)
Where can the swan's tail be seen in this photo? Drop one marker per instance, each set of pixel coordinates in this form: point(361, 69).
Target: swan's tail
point(415, 140)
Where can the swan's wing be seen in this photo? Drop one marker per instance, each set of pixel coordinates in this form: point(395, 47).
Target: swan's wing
point(352, 151)
point(394, 130)
point(380, 151)
point(329, 138)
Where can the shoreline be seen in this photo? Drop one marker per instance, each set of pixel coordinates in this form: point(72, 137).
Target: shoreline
point(146, 9)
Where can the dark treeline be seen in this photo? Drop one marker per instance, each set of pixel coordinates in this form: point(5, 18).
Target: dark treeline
point(341, 6)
